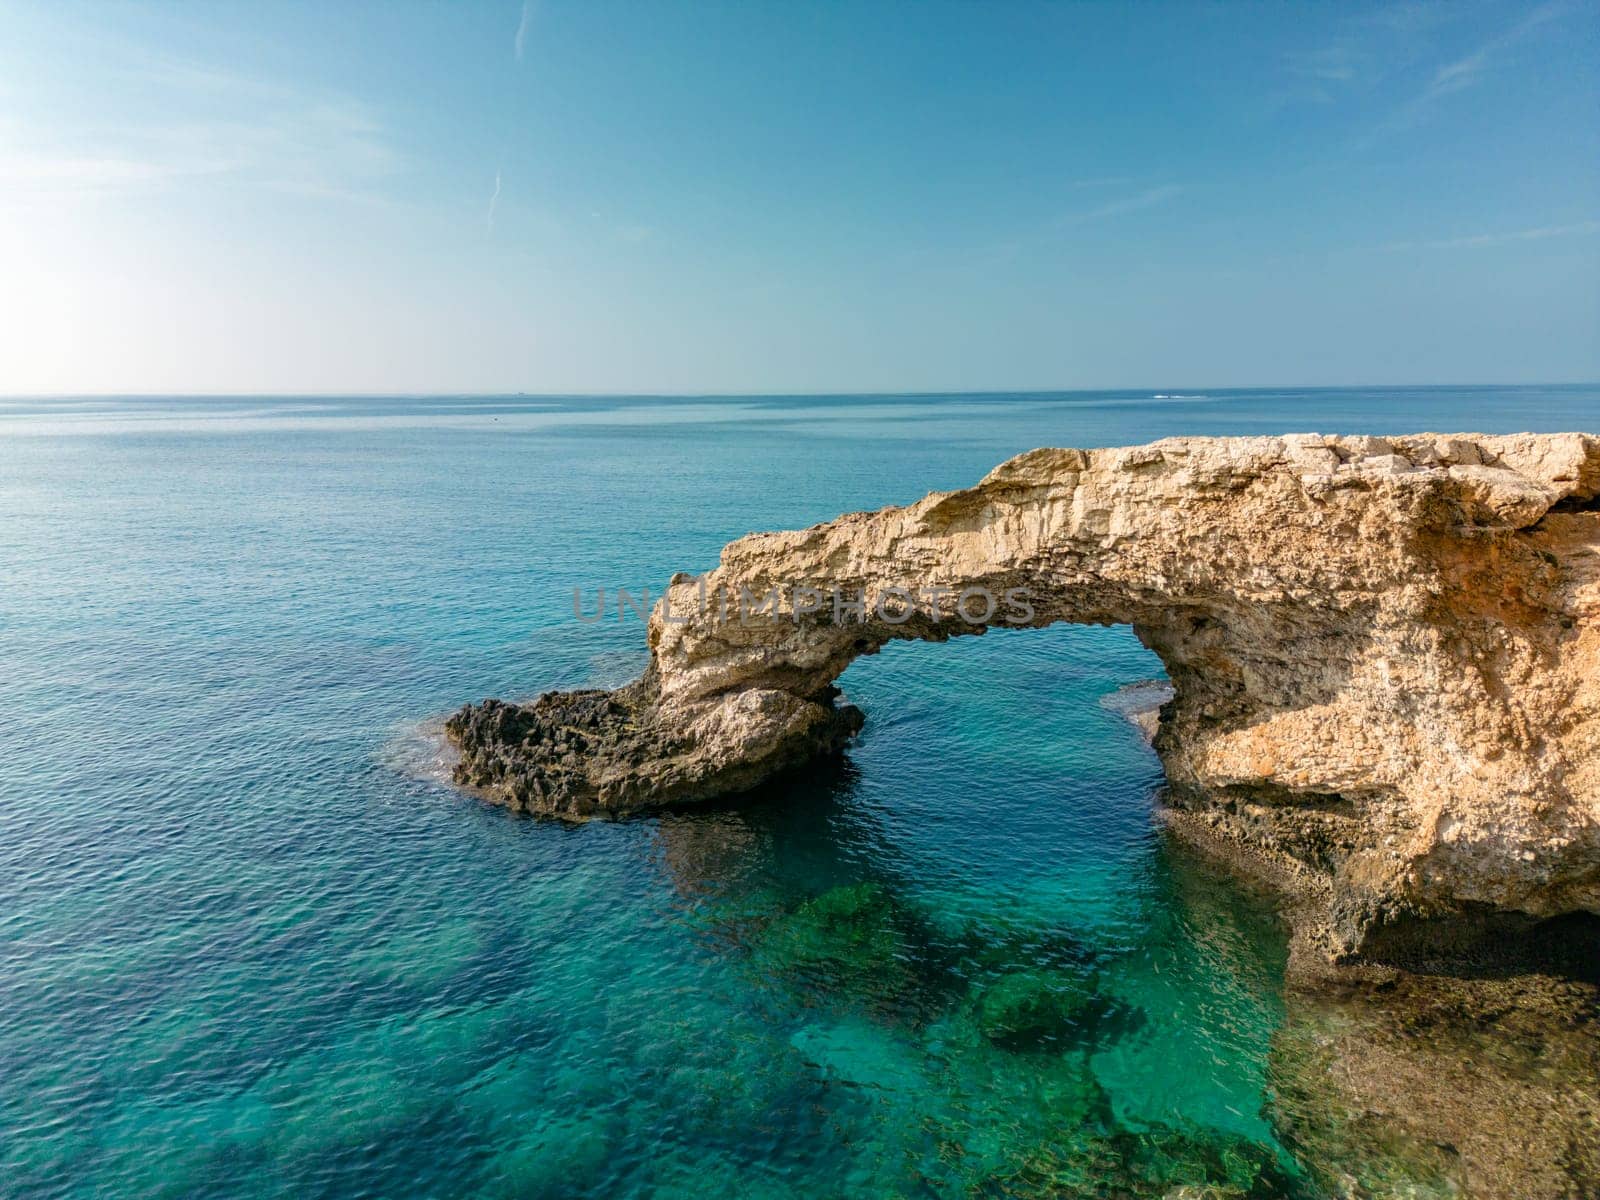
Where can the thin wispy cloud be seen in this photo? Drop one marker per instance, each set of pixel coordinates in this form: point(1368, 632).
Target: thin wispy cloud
point(1008, 249)
point(1465, 71)
point(38, 170)
point(520, 42)
point(1396, 50)
point(1355, 57)
point(1329, 64)
point(1098, 181)
point(1148, 198)
point(256, 134)
point(494, 202)
point(1417, 16)
point(1477, 240)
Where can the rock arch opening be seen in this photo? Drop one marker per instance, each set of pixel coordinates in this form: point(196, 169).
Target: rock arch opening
point(1039, 700)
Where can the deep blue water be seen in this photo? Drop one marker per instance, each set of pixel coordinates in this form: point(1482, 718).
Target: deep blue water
point(249, 948)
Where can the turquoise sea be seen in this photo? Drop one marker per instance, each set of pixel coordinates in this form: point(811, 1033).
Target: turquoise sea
point(249, 946)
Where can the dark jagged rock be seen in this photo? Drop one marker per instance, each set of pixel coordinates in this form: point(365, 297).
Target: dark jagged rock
point(596, 753)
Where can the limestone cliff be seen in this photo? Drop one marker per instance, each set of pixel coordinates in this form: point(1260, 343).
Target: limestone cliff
point(1385, 655)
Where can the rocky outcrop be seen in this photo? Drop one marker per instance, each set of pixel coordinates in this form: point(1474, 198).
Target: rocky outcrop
point(1385, 656)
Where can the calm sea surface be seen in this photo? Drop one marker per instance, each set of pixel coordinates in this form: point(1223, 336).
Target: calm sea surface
point(247, 948)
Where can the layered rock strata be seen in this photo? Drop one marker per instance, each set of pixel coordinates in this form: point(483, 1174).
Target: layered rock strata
point(1385, 655)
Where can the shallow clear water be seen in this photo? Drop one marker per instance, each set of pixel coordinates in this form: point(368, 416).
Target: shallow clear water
point(246, 949)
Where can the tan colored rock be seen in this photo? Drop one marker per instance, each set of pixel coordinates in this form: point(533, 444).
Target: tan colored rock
point(1385, 651)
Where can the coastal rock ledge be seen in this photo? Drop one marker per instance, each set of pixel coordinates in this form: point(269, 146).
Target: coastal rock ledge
point(1385, 655)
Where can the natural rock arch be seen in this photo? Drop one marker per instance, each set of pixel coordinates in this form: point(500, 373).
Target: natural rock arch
point(1385, 655)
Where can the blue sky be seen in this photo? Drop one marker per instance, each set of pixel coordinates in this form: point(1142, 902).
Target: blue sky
point(596, 196)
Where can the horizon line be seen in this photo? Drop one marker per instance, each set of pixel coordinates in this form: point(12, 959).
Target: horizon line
point(771, 395)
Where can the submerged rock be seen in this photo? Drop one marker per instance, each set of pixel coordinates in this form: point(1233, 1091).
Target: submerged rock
point(1162, 1163)
point(1052, 1106)
point(1212, 1164)
point(1027, 1009)
point(1385, 656)
point(560, 1155)
point(850, 924)
point(861, 1054)
point(847, 939)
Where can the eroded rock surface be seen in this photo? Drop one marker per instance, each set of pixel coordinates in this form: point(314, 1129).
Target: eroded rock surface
point(1385, 655)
